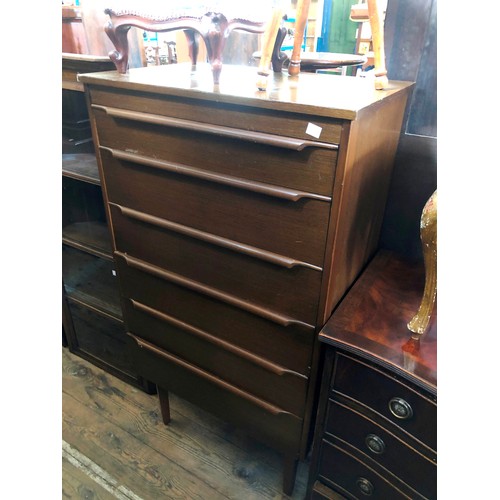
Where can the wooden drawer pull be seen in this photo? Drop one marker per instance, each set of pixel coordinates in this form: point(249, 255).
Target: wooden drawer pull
point(207, 128)
point(275, 410)
point(235, 246)
point(238, 351)
point(227, 180)
point(212, 292)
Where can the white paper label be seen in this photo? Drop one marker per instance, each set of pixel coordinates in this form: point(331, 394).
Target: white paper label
point(313, 130)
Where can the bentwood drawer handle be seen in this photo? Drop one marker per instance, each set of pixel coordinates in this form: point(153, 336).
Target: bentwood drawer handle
point(365, 486)
point(375, 444)
point(203, 289)
point(400, 408)
point(235, 246)
point(233, 133)
point(227, 346)
point(275, 410)
point(227, 180)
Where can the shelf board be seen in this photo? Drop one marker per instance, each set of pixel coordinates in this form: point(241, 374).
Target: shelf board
point(81, 166)
point(90, 236)
point(103, 308)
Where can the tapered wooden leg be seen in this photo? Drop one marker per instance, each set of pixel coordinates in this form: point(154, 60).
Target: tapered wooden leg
point(268, 43)
point(377, 28)
point(300, 26)
point(164, 405)
point(289, 472)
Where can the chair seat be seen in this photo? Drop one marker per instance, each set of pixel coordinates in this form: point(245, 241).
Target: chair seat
point(213, 20)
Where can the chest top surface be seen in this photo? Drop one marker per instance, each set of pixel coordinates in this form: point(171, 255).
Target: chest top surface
point(371, 321)
point(319, 94)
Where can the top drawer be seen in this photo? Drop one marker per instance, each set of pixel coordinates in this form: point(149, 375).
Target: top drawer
point(393, 400)
point(217, 113)
point(243, 155)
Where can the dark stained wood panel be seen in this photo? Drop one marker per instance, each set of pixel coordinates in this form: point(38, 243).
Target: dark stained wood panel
point(256, 188)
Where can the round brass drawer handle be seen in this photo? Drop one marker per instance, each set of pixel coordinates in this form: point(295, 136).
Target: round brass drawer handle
point(365, 486)
point(400, 408)
point(375, 444)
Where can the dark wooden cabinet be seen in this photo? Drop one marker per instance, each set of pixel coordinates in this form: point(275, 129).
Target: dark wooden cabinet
point(377, 417)
point(239, 219)
point(92, 316)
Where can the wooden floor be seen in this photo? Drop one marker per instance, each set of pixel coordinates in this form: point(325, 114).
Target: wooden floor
point(116, 446)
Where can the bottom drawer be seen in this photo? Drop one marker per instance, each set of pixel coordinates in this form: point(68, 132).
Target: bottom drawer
point(273, 383)
point(383, 447)
point(352, 477)
point(268, 423)
point(99, 337)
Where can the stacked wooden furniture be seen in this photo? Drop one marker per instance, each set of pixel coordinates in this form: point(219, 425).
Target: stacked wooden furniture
point(239, 219)
point(92, 317)
point(376, 425)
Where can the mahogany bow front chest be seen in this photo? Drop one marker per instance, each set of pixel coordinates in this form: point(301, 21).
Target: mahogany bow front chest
point(239, 219)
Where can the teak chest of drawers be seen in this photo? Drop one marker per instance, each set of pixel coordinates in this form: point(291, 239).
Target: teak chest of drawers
point(239, 219)
point(377, 417)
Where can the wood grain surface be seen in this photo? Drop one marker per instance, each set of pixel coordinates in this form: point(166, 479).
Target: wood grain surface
point(116, 446)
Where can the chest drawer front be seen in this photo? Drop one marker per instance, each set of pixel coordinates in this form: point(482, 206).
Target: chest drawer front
point(288, 345)
point(380, 445)
point(282, 285)
point(243, 369)
point(267, 159)
point(295, 229)
point(395, 401)
point(266, 422)
point(343, 470)
point(217, 113)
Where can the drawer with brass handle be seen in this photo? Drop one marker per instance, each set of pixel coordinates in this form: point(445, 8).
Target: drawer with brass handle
point(382, 446)
point(395, 401)
point(350, 476)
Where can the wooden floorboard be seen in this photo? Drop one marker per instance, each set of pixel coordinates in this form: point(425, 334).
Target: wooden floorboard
point(78, 483)
point(116, 446)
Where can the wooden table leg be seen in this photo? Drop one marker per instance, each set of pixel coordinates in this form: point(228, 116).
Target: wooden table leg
point(268, 42)
point(377, 28)
point(300, 26)
point(193, 46)
point(118, 36)
point(289, 472)
point(164, 405)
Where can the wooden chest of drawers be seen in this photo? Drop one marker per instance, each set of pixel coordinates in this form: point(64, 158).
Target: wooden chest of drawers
point(239, 220)
point(376, 428)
